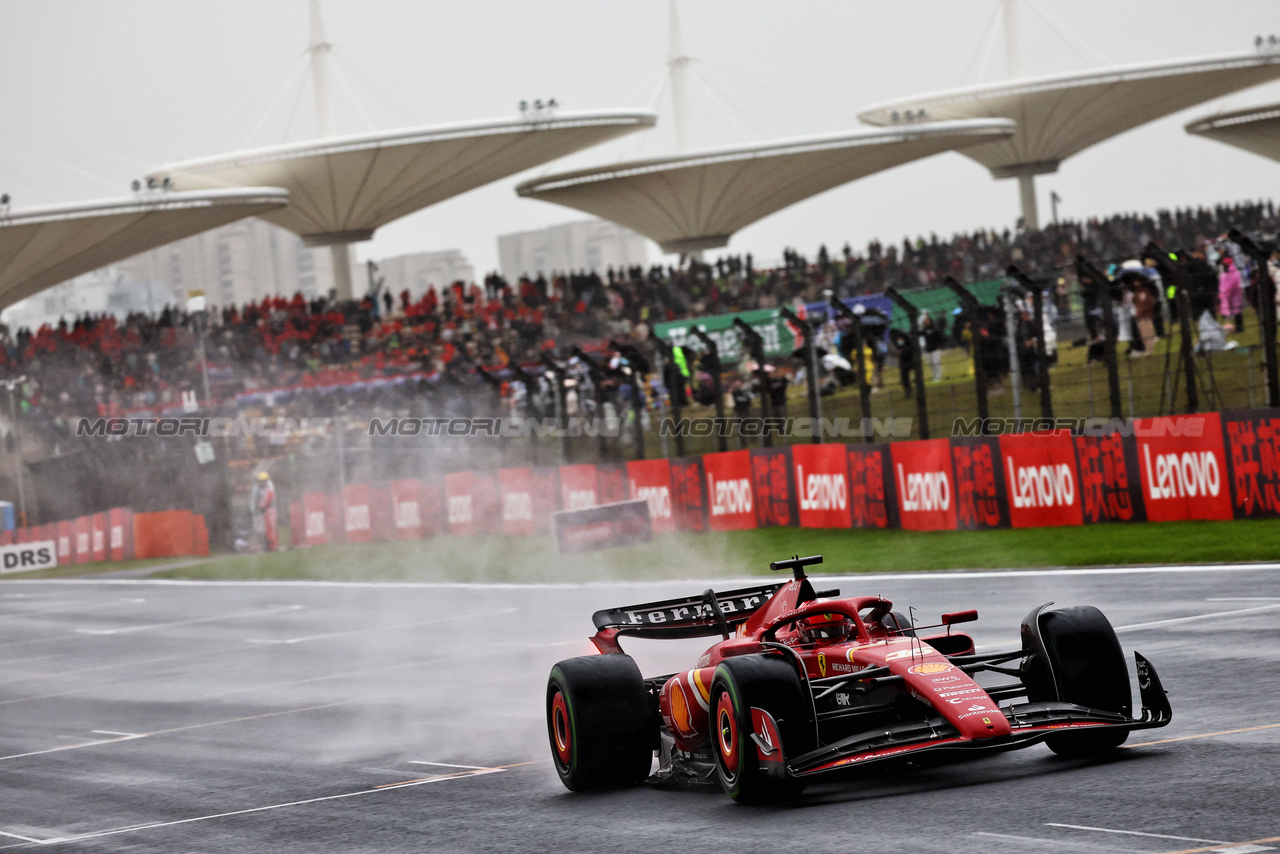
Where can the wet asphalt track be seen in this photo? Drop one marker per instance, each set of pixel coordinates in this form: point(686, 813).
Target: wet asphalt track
point(243, 718)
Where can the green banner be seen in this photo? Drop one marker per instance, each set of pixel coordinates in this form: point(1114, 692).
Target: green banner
point(772, 327)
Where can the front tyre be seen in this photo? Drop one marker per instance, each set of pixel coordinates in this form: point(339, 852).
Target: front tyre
point(769, 683)
point(601, 722)
point(1086, 667)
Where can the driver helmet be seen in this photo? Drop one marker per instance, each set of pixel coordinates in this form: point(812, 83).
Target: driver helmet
point(825, 628)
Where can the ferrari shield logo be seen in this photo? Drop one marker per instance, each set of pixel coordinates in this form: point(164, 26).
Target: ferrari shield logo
point(822, 663)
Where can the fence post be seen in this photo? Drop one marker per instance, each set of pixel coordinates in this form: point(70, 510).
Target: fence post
point(717, 385)
point(1042, 353)
point(756, 345)
point(859, 365)
point(1102, 288)
point(974, 308)
point(811, 359)
point(913, 318)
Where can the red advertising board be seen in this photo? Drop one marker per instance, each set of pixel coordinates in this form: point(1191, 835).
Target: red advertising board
point(335, 522)
point(431, 508)
point(925, 484)
point(544, 486)
point(688, 500)
point(822, 486)
point(650, 481)
point(611, 483)
point(578, 487)
point(1183, 467)
point(315, 511)
point(871, 492)
point(81, 545)
point(297, 526)
point(382, 523)
point(1253, 448)
point(774, 493)
point(1110, 490)
point(357, 522)
point(730, 498)
point(120, 533)
point(979, 484)
point(66, 542)
point(406, 508)
point(1041, 480)
point(471, 502)
point(516, 494)
point(98, 534)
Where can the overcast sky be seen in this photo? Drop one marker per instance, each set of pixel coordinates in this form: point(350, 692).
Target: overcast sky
point(96, 92)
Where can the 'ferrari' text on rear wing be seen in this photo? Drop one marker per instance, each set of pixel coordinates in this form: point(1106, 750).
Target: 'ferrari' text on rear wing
point(694, 616)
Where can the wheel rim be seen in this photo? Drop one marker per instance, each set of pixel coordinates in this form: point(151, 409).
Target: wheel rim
point(561, 734)
point(727, 735)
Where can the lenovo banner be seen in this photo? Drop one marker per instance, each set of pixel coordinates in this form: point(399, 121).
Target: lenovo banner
point(774, 493)
point(979, 485)
point(357, 524)
point(471, 503)
point(406, 508)
point(822, 485)
point(1253, 447)
point(516, 493)
point(1041, 479)
point(872, 498)
point(605, 526)
point(650, 481)
point(926, 484)
point(315, 519)
point(689, 501)
point(1184, 469)
point(611, 483)
point(578, 487)
point(729, 494)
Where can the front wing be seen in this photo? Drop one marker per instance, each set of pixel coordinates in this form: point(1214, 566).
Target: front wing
point(1031, 722)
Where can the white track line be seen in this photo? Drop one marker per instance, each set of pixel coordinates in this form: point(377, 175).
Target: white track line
point(71, 747)
point(23, 838)
point(938, 575)
point(152, 825)
point(275, 609)
point(1060, 843)
point(447, 765)
point(1136, 833)
point(1174, 620)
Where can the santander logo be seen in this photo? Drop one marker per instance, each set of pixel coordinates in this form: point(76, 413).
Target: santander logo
point(1184, 475)
point(1041, 486)
point(517, 507)
point(822, 491)
point(924, 491)
point(658, 497)
point(729, 497)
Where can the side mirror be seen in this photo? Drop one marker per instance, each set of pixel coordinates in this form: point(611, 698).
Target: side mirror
point(959, 617)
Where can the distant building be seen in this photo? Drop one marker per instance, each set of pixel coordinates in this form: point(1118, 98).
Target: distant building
point(593, 244)
point(421, 270)
point(104, 291)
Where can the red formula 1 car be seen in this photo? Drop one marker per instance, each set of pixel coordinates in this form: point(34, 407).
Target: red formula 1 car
point(804, 684)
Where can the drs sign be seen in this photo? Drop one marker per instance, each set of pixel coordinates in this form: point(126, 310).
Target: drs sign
point(28, 556)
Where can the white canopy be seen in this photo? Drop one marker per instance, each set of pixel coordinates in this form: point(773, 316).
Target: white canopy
point(343, 188)
point(1256, 129)
point(40, 247)
point(696, 201)
point(1062, 114)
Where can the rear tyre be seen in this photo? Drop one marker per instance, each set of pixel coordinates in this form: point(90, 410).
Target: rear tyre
point(601, 722)
point(767, 682)
point(1086, 667)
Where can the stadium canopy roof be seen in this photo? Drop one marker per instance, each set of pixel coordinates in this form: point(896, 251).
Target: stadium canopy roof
point(343, 188)
point(1256, 129)
point(40, 247)
point(696, 201)
point(1060, 115)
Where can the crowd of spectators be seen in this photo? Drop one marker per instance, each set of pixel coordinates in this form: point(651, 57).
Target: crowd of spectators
point(101, 365)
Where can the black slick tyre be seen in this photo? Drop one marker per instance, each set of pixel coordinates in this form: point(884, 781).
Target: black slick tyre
point(1086, 667)
point(767, 682)
point(601, 722)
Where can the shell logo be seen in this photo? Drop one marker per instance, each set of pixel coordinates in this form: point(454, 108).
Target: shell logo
point(930, 668)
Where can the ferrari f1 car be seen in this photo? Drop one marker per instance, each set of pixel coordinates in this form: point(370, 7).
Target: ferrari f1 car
point(805, 684)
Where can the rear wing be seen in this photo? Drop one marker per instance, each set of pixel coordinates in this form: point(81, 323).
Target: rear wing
point(695, 616)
